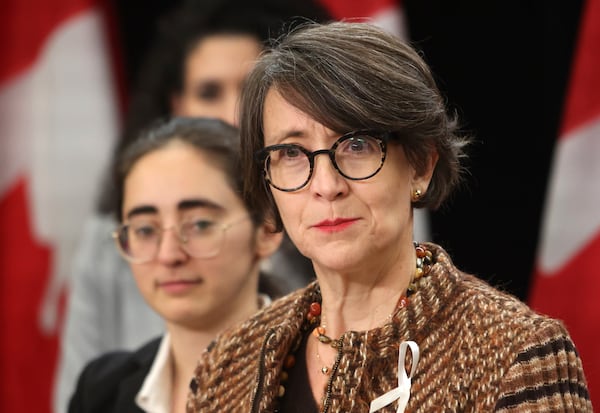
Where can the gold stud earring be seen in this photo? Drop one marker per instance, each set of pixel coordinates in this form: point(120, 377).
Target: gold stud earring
point(416, 195)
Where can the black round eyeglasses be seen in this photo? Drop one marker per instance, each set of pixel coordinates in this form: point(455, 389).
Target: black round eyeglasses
point(356, 156)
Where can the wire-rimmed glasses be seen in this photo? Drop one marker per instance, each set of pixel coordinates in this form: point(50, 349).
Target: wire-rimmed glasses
point(139, 239)
point(356, 156)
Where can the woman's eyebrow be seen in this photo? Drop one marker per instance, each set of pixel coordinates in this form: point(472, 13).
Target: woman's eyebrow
point(182, 206)
point(198, 203)
point(279, 137)
point(140, 210)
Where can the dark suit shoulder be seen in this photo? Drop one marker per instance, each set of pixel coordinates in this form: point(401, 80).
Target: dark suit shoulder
point(106, 376)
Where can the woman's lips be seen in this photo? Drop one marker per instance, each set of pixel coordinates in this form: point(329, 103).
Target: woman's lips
point(335, 225)
point(178, 286)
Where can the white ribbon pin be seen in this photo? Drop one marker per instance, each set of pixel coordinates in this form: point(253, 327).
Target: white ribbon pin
point(402, 392)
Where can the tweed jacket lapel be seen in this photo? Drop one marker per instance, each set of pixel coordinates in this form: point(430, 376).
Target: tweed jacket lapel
point(368, 363)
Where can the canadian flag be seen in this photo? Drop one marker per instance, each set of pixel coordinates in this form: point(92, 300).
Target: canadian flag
point(389, 15)
point(566, 283)
point(58, 121)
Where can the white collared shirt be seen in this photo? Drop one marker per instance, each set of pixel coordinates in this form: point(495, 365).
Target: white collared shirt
point(155, 394)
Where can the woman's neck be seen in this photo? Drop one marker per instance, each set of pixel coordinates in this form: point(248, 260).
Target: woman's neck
point(365, 301)
point(187, 344)
point(186, 347)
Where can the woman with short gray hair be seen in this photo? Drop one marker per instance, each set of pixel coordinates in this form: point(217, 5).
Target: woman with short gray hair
point(344, 132)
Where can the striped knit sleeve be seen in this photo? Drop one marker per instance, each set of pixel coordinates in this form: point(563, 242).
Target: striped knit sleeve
point(546, 376)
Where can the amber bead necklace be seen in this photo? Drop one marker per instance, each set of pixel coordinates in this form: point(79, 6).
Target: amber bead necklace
point(423, 266)
point(313, 317)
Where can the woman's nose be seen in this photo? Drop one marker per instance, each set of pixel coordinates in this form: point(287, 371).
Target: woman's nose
point(170, 250)
point(326, 181)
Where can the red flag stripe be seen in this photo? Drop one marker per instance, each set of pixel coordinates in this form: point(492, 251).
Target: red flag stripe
point(24, 28)
point(53, 54)
point(28, 358)
point(358, 8)
point(583, 99)
point(566, 282)
point(571, 295)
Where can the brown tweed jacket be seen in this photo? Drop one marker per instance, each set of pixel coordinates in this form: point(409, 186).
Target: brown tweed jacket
point(481, 351)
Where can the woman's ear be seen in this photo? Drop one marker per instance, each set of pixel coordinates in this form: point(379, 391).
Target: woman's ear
point(267, 240)
point(422, 177)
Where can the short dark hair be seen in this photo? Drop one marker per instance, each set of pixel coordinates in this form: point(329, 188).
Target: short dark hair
point(350, 76)
point(212, 136)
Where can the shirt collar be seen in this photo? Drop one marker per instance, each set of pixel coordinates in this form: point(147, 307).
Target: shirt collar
point(155, 394)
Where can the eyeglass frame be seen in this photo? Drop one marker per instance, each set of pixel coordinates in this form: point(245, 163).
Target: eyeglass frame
point(182, 242)
point(382, 137)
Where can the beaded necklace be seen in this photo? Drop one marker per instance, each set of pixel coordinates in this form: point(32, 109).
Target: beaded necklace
point(423, 266)
point(424, 261)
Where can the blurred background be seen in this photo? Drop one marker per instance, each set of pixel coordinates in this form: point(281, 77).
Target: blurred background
point(519, 73)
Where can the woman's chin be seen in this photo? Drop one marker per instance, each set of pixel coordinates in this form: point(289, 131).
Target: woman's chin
point(335, 262)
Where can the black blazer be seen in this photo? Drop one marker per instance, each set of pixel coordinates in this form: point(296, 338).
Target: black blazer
point(109, 383)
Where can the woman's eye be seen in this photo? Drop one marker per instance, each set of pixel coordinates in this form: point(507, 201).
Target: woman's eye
point(209, 91)
point(357, 146)
point(361, 145)
point(144, 231)
point(199, 226)
point(285, 153)
point(290, 153)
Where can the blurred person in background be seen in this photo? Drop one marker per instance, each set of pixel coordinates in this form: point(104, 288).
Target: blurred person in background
point(196, 68)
